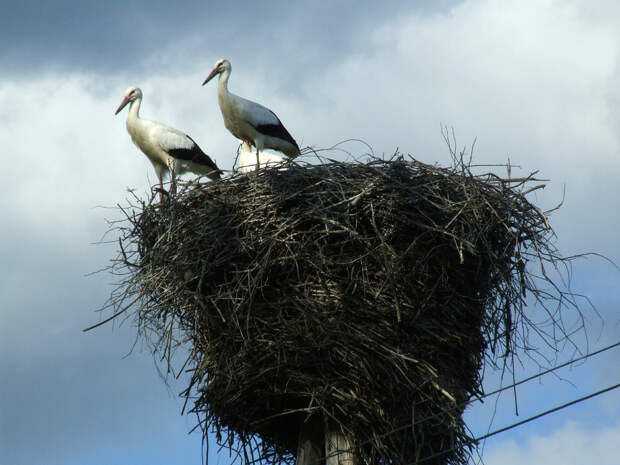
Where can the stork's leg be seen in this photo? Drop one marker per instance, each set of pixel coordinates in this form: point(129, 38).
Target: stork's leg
point(173, 184)
point(161, 188)
point(173, 180)
point(257, 160)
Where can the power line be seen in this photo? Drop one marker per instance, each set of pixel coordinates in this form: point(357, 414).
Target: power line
point(493, 433)
point(522, 422)
point(497, 391)
point(463, 404)
point(557, 367)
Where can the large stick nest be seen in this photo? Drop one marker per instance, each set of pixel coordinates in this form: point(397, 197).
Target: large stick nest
point(365, 295)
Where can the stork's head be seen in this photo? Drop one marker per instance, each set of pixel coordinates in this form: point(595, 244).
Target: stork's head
point(220, 66)
point(131, 94)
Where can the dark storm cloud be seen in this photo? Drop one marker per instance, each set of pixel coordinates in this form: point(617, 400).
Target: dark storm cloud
point(109, 36)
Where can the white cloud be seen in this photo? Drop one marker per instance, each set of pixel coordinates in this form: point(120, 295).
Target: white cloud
point(526, 77)
point(64, 158)
point(533, 81)
point(572, 444)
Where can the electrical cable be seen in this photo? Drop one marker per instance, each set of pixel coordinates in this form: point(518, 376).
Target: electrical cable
point(522, 422)
point(517, 383)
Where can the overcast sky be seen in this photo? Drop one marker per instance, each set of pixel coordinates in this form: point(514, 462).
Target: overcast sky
point(535, 81)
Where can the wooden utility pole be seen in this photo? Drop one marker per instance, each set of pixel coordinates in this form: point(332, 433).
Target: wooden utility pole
point(321, 445)
point(310, 447)
point(338, 448)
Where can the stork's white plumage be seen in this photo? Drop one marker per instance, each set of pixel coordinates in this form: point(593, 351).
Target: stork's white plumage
point(249, 121)
point(247, 158)
point(168, 149)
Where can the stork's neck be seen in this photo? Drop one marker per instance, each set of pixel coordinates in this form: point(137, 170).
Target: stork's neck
point(222, 85)
point(134, 109)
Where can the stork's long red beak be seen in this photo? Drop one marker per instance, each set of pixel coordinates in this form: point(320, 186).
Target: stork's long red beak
point(210, 76)
point(122, 105)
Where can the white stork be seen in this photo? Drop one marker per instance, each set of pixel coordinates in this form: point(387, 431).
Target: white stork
point(249, 121)
point(247, 158)
point(168, 149)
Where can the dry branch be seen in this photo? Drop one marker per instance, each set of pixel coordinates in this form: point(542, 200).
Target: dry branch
point(357, 296)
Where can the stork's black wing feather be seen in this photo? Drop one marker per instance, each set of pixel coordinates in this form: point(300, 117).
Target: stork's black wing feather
point(275, 130)
point(194, 154)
